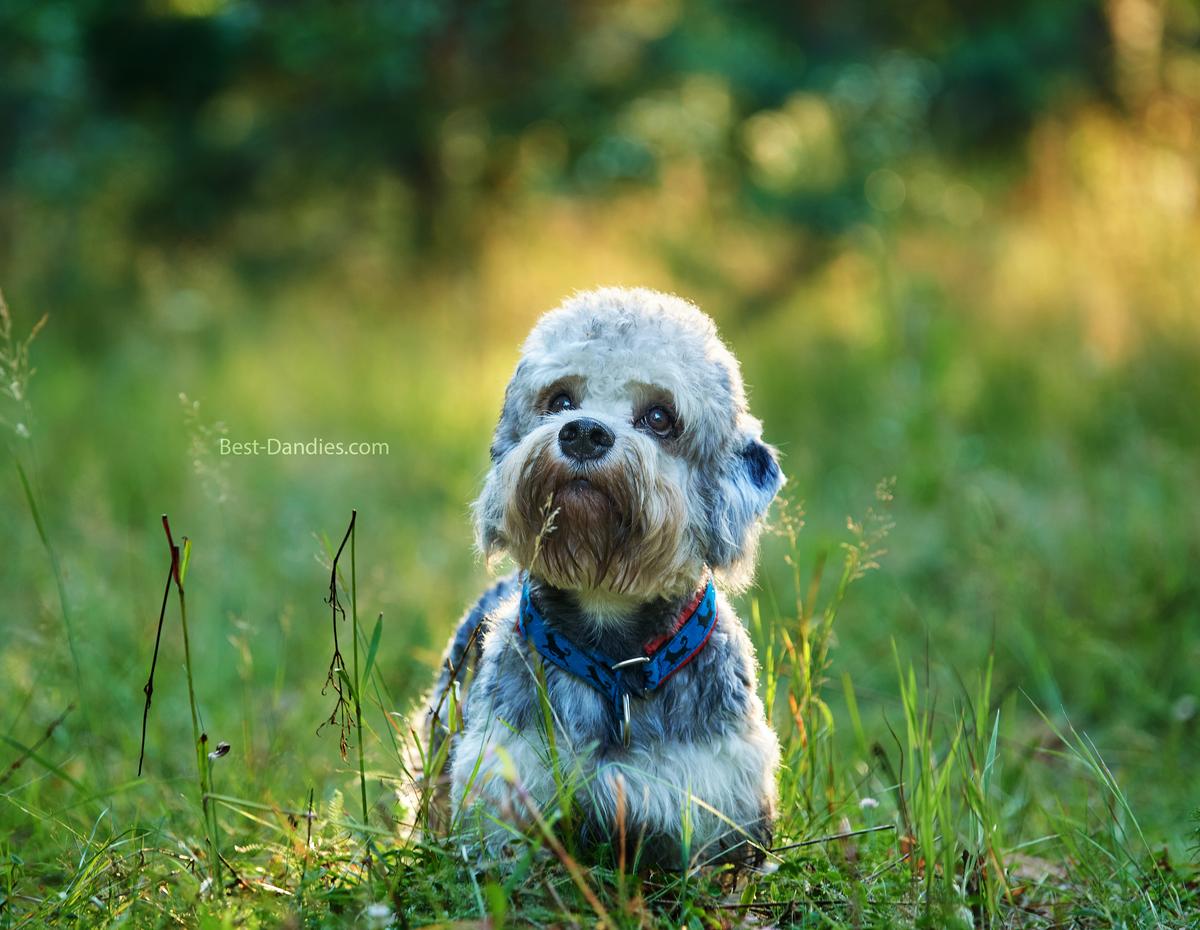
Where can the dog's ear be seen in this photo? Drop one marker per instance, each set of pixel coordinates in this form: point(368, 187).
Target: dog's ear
point(489, 506)
point(488, 512)
point(746, 481)
point(508, 427)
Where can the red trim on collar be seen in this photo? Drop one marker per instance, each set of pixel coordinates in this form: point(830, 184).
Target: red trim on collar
point(691, 655)
point(684, 617)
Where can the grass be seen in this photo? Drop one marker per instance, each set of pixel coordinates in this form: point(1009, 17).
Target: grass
point(1006, 698)
point(923, 827)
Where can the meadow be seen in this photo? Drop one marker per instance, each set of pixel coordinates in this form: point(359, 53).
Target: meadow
point(977, 612)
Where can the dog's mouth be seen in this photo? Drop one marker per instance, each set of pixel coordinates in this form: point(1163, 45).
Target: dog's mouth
point(577, 494)
point(579, 486)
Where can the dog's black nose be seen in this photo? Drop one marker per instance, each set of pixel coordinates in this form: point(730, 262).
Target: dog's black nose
point(585, 439)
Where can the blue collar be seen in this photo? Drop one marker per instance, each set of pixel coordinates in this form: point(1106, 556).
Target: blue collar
point(619, 680)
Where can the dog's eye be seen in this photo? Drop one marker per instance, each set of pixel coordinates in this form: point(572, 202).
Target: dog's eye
point(559, 403)
point(658, 420)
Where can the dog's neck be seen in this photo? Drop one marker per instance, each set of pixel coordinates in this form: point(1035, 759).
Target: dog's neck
point(614, 624)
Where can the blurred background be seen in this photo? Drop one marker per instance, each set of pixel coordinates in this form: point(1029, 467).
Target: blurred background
point(954, 244)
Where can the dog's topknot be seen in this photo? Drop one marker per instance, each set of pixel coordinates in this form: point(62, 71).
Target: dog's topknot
point(644, 335)
point(618, 342)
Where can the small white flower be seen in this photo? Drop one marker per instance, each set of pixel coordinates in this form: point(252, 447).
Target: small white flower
point(379, 916)
point(868, 804)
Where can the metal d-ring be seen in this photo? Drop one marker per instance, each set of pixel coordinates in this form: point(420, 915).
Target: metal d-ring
point(636, 660)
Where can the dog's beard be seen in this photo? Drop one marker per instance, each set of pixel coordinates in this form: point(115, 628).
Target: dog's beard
point(618, 525)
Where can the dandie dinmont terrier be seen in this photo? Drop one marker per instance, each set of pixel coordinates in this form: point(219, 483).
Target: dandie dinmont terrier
point(628, 481)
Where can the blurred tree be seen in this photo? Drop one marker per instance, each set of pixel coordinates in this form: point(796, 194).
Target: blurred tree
point(185, 117)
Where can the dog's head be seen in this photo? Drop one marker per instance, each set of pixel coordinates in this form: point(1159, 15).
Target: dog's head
point(625, 459)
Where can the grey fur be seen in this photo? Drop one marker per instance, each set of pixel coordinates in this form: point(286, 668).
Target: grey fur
point(463, 651)
point(699, 742)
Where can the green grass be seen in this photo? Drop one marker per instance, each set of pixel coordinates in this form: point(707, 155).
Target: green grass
point(1008, 691)
point(964, 823)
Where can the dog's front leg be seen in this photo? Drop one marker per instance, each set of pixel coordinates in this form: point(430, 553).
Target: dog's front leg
point(502, 782)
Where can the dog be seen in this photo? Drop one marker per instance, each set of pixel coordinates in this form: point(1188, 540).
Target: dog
point(629, 483)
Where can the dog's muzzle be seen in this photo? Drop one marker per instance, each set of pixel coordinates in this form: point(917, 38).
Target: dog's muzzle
point(585, 439)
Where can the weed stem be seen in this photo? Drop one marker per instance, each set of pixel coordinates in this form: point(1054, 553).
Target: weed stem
point(199, 739)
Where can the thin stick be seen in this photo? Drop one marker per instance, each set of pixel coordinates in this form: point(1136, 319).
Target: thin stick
point(149, 686)
point(454, 670)
point(308, 833)
point(834, 836)
point(32, 750)
point(337, 665)
point(208, 812)
point(362, 769)
point(236, 877)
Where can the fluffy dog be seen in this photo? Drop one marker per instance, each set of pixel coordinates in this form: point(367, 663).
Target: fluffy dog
point(627, 474)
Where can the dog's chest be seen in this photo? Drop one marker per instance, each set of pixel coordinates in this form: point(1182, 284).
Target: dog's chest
point(707, 699)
